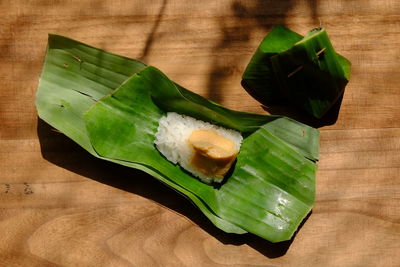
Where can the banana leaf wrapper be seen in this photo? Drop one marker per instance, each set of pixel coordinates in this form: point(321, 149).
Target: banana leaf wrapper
point(110, 105)
point(302, 70)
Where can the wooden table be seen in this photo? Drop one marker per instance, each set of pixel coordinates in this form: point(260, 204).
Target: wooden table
point(60, 206)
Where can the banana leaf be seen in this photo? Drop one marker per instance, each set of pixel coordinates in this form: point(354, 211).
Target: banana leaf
point(110, 105)
point(306, 71)
point(73, 78)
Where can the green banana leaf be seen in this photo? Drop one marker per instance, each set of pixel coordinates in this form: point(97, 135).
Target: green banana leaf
point(110, 105)
point(73, 78)
point(305, 71)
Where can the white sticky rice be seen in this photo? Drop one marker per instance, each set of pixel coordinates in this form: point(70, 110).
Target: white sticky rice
point(172, 135)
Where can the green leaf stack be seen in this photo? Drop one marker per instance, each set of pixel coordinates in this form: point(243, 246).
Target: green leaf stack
point(303, 70)
point(110, 105)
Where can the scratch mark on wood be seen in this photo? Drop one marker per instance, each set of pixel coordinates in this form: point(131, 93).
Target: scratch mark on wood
point(27, 190)
point(7, 188)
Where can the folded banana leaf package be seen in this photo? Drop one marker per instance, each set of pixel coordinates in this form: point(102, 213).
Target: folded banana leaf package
point(111, 106)
point(302, 70)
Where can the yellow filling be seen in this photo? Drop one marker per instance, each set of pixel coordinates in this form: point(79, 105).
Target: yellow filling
point(213, 153)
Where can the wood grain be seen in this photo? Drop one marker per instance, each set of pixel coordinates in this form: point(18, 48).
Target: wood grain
point(60, 206)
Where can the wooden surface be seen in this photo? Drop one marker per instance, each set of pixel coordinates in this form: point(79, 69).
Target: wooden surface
point(60, 206)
